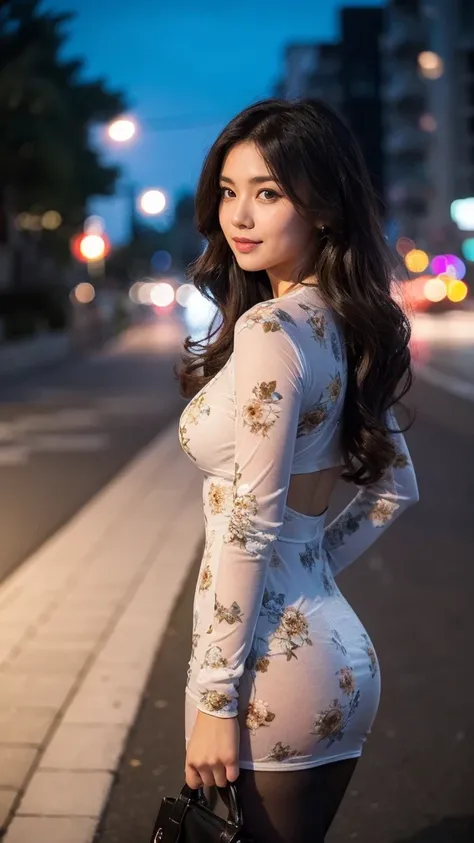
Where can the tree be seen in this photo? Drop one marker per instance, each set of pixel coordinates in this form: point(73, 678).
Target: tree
point(46, 111)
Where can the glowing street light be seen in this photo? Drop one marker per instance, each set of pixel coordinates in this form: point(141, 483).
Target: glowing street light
point(92, 247)
point(122, 130)
point(152, 202)
point(431, 64)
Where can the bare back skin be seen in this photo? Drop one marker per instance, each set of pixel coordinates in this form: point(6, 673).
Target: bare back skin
point(311, 493)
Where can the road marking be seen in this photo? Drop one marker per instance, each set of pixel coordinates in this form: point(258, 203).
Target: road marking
point(14, 454)
point(69, 441)
point(450, 383)
point(59, 420)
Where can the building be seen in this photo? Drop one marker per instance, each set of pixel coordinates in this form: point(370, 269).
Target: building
point(346, 75)
point(361, 86)
point(428, 50)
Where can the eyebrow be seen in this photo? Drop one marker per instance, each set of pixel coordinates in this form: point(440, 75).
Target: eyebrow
point(254, 180)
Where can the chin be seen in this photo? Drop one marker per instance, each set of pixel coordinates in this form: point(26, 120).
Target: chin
point(250, 262)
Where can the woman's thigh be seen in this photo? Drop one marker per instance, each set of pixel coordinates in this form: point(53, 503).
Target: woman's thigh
point(296, 806)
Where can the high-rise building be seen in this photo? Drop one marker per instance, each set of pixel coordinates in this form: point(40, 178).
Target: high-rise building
point(428, 50)
point(346, 75)
point(360, 79)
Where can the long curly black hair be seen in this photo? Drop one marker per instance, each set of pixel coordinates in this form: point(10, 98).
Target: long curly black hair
point(317, 162)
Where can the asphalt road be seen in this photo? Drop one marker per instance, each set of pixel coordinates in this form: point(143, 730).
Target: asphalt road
point(67, 429)
point(413, 590)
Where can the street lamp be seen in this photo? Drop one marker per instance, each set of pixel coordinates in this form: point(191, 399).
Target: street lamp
point(152, 202)
point(122, 130)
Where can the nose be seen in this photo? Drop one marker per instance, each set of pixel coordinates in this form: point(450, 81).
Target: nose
point(241, 216)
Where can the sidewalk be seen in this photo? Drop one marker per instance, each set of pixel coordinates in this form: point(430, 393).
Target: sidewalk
point(80, 622)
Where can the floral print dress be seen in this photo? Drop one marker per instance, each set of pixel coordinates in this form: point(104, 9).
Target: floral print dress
point(274, 641)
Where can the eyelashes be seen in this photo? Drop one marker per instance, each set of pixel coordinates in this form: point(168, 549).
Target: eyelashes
point(274, 194)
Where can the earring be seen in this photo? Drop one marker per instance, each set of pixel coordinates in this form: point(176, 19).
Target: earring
point(323, 229)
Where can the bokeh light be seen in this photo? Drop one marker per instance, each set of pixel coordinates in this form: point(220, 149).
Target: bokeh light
point(161, 261)
point(435, 290)
point(416, 260)
point(457, 291)
point(51, 220)
point(184, 294)
point(162, 294)
point(430, 64)
point(439, 264)
point(455, 266)
point(122, 130)
point(404, 245)
point(427, 123)
point(467, 248)
point(92, 247)
point(462, 213)
point(152, 202)
point(83, 293)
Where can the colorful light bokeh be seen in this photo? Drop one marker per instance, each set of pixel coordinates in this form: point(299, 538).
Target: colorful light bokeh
point(404, 245)
point(450, 264)
point(456, 291)
point(435, 290)
point(416, 260)
point(467, 248)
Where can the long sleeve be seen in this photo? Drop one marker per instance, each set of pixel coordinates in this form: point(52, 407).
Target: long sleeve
point(268, 391)
point(373, 509)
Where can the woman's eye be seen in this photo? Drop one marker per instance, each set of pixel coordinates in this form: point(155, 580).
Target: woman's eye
point(273, 194)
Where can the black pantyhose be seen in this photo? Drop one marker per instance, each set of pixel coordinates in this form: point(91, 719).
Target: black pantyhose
point(296, 806)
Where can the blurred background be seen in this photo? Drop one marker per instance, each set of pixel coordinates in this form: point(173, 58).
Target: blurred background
point(107, 110)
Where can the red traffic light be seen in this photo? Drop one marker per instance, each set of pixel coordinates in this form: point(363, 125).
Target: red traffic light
point(89, 247)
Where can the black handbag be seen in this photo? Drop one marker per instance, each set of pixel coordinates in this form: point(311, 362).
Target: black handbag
point(189, 819)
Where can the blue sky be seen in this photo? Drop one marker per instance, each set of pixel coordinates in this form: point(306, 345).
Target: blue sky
point(178, 58)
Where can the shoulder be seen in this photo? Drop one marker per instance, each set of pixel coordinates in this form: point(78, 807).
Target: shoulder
point(267, 330)
point(268, 317)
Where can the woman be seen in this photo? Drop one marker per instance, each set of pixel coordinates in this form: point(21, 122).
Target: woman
point(295, 392)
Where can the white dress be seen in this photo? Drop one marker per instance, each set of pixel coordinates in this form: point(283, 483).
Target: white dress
point(274, 640)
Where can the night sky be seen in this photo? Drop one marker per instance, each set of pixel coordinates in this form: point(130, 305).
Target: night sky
point(205, 61)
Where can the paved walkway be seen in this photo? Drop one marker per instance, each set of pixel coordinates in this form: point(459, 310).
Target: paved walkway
point(80, 622)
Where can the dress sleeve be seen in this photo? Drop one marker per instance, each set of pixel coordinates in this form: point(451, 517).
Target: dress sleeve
point(373, 509)
point(269, 378)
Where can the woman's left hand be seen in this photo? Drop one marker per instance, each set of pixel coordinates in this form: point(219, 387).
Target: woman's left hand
point(212, 756)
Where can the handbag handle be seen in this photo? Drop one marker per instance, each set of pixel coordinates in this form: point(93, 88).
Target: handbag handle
point(187, 794)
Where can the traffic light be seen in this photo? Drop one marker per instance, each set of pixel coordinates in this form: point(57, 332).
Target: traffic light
point(89, 247)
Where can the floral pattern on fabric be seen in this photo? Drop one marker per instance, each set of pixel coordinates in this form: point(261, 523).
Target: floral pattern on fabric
point(214, 701)
point(314, 417)
point(230, 615)
point(331, 723)
point(401, 460)
point(219, 498)
point(258, 714)
point(196, 409)
point(327, 580)
point(307, 557)
point(371, 654)
point(280, 752)
point(335, 346)
point(261, 412)
point(213, 657)
point(269, 316)
point(318, 323)
point(336, 639)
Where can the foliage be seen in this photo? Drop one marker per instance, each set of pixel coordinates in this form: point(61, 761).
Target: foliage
point(46, 111)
